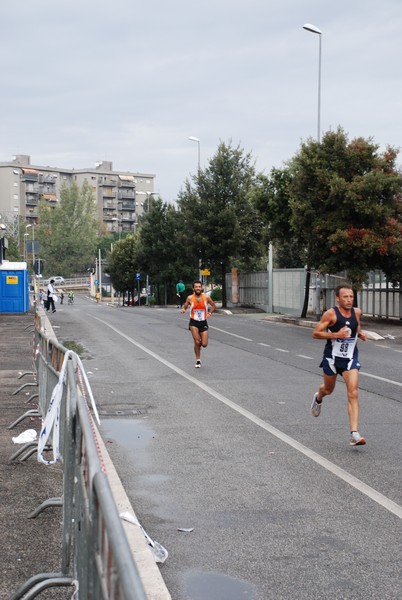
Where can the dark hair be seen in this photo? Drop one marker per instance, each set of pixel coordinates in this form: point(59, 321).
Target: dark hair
point(341, 286)
point(197, 281)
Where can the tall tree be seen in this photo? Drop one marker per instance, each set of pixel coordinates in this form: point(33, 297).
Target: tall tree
point(123, 264)
point(222, 224)
point(346, 206)
point(67, 233)
point(162, 255)
point(272, 199)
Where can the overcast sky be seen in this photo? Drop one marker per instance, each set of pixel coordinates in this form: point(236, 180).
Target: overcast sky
point(126, 81)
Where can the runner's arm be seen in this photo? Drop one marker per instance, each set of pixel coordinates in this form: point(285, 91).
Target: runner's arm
point(360, 334)
point(321, 330)
point(212, 305)
point(186, 304)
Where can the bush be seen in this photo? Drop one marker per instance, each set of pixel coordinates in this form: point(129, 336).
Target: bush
point(216, 294)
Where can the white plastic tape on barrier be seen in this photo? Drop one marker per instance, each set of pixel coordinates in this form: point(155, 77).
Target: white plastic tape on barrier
point(51, 424)
point(52, 419)
point(88, 387)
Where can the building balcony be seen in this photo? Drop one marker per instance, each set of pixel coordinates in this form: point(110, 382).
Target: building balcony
point(128, 205)
point(31, 200)
point(109, 216)
point(102, 181)
point(126, 194)
point(109, 193)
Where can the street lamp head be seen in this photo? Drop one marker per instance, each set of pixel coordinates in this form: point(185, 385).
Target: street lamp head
point(312, 28)
point(29, 225)
point(193, 139)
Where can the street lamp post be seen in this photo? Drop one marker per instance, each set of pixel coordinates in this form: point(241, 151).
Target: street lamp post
point(26, 240)
point(314, 29)
point(148, 195)
point(118, 226)
point(194, 139)
point(25, 246)
point(33, 246)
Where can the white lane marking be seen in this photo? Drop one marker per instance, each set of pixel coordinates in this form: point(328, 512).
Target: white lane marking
point(381, 378)
point(359, 485)
point(229, 333)
point(262, 344)
point(388, 348)
point(304, 356)
point(281, 350)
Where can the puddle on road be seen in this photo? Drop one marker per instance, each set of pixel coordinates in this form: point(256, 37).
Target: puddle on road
point(211, 586)
point(129, 433)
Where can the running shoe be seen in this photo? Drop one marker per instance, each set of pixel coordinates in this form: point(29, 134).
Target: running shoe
point(316, 406)
point(198, 364)
point(356, 439)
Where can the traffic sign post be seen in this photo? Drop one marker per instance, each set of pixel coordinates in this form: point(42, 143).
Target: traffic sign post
point(138, 278)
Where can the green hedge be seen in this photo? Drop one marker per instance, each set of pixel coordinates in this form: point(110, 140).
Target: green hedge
point(216, 294)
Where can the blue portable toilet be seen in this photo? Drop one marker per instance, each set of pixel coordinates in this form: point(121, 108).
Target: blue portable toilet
point(14, 290)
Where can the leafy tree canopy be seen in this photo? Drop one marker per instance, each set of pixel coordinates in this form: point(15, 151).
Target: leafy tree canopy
point(157, 250)
point(272, 201)
point(162, 255)
point(123, 264)
point(68, 232)
point(222, 225)
point(345, 200)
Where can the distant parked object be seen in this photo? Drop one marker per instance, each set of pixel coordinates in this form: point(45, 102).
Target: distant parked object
point(58, 279)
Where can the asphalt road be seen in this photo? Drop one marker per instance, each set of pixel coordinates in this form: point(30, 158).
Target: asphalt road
point(280, 505)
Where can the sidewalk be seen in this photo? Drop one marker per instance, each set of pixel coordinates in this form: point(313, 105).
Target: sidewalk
point(375, 328)
point(28, 546)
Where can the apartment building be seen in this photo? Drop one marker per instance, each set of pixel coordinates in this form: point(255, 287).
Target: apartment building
point(121, 197)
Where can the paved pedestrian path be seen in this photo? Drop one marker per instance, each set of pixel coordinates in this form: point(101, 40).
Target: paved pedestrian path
point(28, 546)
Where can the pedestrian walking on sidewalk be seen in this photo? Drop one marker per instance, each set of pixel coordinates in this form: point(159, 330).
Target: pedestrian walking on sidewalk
point(180, 289)
point(199, 313)
point(50, 296)
point(340, 327)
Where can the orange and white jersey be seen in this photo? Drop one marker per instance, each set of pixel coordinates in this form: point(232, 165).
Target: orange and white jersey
point(198, 307)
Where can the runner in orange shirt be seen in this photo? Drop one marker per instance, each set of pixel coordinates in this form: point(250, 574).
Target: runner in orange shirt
point(199, 314)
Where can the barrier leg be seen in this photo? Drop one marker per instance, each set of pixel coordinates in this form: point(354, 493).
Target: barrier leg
point(32, 447)
point(34, 412)
point(30, 383)
point(31, 398)
point(21, 375)
point(46, 504)
point(36, 584)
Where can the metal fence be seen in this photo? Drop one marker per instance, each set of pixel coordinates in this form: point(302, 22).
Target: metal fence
point(378, 297)
point(96, 557)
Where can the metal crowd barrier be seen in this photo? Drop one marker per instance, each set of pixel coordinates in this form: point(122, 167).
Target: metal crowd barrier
point(96, 558)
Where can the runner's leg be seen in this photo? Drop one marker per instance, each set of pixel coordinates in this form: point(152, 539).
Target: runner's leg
point(195, 332)
point(327, 386)
point(204, 338)
point(352, 380)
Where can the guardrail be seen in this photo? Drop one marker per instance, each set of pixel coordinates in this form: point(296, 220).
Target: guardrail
point(96, 557)
point(71, 283)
